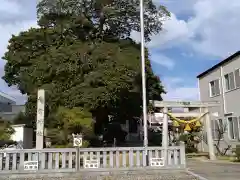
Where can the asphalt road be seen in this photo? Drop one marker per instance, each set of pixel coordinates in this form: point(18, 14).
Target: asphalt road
point(209, 170)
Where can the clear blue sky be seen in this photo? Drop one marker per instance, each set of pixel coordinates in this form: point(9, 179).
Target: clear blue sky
point(199, 34)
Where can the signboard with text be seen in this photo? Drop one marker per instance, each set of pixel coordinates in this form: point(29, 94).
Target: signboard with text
point(157, 162)
point(30, 165)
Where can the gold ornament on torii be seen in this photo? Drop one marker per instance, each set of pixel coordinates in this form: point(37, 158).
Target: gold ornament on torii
point(177, 121)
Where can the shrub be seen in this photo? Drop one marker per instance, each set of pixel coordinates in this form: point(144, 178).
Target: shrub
point(67, 122)
point(189, 141)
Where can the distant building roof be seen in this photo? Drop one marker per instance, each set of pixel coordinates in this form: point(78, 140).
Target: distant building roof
point(10, 98)
point(219, 64)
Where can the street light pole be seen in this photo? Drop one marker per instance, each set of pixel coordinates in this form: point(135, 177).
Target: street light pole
point(143, 75)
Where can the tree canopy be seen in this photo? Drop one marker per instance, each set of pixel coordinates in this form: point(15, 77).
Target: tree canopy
point(101, 18)
point(83, 56)
point(6, 130)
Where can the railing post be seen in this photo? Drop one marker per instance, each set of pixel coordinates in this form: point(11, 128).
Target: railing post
point(21, 161)
point(182, 154)
point(78, 158)
point(145, 157)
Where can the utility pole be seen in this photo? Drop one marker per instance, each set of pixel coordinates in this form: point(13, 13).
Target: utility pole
point(143, 76)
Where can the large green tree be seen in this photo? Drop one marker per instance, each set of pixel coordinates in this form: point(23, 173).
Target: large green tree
point(83, 56)
point(101, 19)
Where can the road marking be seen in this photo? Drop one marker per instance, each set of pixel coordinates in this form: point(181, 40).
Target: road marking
point(196, 175)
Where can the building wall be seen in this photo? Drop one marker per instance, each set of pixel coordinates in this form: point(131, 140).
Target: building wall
point(5, 107)
point(230, 98)
point(18, 135)
point(18, 108)
point(24, 135)
point(8, 107)
point(205, 90)
point(15, 110)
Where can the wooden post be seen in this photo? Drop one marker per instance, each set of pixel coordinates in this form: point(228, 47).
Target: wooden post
point(209, 136)
point(127, 129)
point(165, 134)
point(40, 119)
point(140, 129)
point(78, 158)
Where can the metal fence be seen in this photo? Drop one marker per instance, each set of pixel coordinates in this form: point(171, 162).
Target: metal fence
point(94, 159)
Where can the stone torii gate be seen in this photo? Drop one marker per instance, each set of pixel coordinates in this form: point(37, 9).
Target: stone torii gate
point(191, 109)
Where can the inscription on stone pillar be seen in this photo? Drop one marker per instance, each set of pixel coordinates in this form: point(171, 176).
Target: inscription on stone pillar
point(40, 119)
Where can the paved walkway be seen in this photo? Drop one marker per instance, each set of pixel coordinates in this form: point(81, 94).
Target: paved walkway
point(209, 170)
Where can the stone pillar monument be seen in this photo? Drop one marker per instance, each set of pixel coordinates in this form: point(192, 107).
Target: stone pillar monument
point(40, 119)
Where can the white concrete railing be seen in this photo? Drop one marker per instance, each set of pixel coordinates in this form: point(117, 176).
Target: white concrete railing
point(65, 160)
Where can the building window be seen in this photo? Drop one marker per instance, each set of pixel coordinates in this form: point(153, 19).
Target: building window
point(233, 128)
point(215, 88)
point(230, 82)
point(237, 78)
point(218, 129)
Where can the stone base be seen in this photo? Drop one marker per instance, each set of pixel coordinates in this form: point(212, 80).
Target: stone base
point(132, 175)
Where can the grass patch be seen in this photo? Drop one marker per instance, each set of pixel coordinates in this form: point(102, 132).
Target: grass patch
point(197, 155)
point(224, 158)
point(228, 158)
